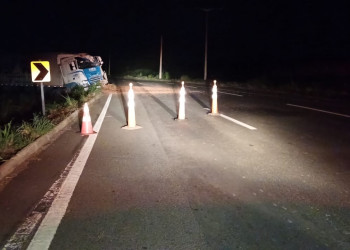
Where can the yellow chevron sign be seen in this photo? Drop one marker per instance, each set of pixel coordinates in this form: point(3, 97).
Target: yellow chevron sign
point(40, 71)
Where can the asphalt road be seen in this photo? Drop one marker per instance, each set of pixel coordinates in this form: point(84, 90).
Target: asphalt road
point(201, 183)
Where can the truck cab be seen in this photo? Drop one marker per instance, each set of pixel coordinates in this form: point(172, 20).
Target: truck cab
point(81, 69)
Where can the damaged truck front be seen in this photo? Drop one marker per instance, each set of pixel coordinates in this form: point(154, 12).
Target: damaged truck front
point(81, 69)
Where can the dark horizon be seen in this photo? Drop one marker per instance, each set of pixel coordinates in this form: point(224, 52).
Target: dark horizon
point(242, 36)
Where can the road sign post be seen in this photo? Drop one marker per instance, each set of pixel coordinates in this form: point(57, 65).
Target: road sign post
point(42, 97)
point(41, 73)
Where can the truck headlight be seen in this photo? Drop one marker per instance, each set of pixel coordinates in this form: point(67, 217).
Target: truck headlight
point(85, 83)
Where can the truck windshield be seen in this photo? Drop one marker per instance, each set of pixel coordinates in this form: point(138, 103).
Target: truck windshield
point(84, 63)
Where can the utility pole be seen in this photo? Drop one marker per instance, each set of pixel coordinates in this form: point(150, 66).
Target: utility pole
point(206, 44)
point(206, 40)
point(109, 62)
point(161, 58)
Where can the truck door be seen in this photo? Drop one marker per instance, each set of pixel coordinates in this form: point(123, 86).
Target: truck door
point(68, 67)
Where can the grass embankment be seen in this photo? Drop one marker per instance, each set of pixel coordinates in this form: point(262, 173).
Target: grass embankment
point(14, 137)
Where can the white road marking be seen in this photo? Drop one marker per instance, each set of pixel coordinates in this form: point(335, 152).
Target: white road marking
point(48, 227)
point(240, 91)
point(197, 91)
point(25, 231)
point(319, 110)
point(227, 93)
point(236, 121)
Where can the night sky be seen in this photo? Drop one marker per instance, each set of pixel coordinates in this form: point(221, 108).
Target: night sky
point(243, 34)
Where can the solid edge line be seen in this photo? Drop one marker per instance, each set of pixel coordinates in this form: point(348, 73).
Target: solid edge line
point(48, 227)
point(319, 110)
point(238, 122)
point(13, 165)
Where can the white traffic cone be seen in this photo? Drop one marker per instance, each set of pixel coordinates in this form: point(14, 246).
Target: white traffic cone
point(214, 103)
point(131, 110)
point(181, 115)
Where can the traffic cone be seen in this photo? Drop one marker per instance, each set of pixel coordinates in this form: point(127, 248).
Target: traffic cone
point(181, 115)
point(214, 103)
point(86, 127)
point(131, 110)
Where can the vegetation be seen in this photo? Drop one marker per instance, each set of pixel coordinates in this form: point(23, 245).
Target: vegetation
point(14, 137)
point(30, 131)
point(7, 138)
point(145, 74)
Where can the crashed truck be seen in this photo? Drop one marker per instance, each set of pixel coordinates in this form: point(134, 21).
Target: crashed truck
point(81, 69)
point(70, 70)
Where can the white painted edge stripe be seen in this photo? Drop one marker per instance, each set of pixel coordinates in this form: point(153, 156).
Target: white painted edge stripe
point(48, 227)
point(319, 110)
point(226, 93)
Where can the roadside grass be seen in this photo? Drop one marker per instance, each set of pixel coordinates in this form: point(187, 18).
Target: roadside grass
point(14, 137)
point(145, 74)
point(71, 102)
point(30, 131)
point(7, 139)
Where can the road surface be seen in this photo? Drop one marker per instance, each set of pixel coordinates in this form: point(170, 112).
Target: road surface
point(270, 172)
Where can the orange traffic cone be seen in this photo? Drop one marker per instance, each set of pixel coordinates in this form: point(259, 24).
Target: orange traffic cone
point(86, 127)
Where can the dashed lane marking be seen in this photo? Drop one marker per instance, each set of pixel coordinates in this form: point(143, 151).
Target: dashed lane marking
point(319, 110)
point(227, 93)
point(236, 121)
point(48, 227)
